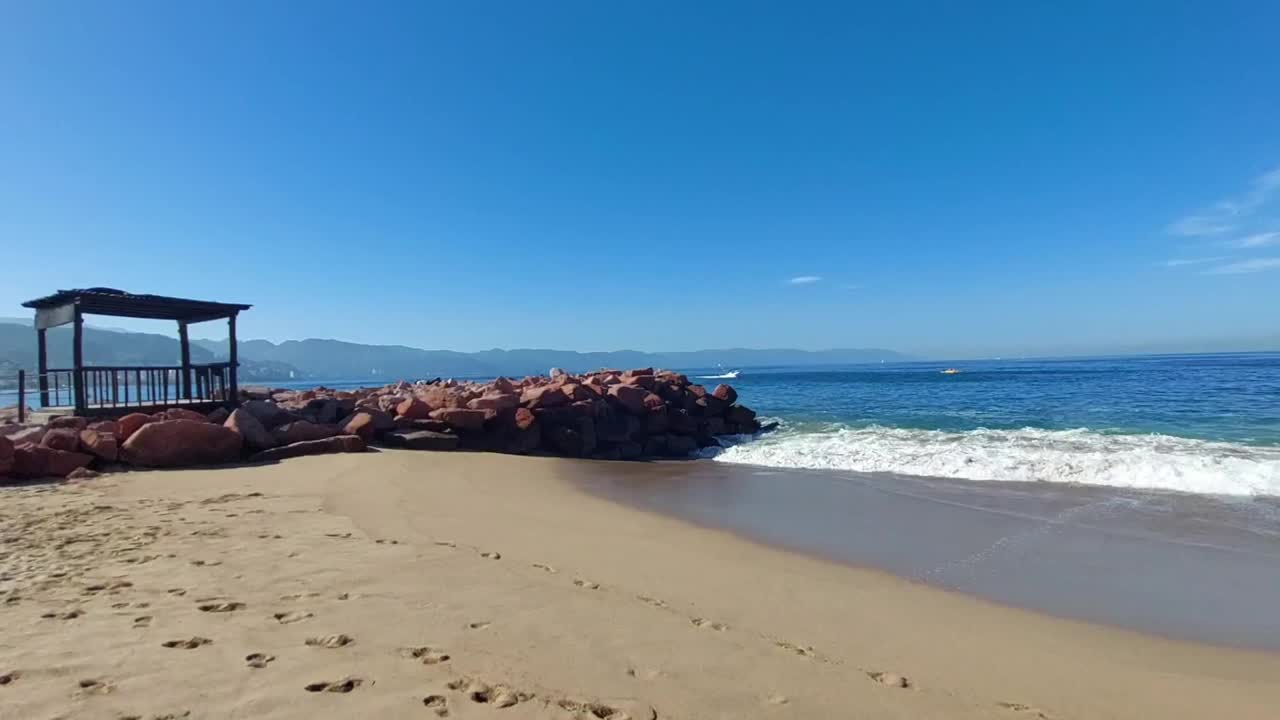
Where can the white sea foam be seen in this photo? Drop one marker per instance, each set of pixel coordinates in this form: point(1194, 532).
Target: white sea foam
point(1067, 456)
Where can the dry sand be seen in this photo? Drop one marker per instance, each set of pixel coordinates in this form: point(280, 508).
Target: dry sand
point(419, 585)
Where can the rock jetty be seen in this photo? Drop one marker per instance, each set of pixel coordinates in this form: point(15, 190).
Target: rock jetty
point(606, 415)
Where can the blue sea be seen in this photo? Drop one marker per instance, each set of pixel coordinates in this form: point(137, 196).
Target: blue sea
point(1206, 424)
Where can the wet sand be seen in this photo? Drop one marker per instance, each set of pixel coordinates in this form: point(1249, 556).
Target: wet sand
point(401, 584)
point(1182, 566)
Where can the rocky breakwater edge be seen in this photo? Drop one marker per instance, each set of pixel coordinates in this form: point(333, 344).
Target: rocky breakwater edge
point(605, 415)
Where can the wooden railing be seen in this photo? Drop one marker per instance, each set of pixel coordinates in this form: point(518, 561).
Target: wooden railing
point(123, 387)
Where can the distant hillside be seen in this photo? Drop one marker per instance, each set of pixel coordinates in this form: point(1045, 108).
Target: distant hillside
point(264, 361)
point(334, 359)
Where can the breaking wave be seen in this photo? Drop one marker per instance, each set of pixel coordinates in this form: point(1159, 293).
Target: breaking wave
point(1066, 456)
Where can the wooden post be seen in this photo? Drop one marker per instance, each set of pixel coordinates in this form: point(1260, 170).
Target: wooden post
point(42, 367)
point(186, 359)
point(22, 396)
point(234, 360)
point(77, 362)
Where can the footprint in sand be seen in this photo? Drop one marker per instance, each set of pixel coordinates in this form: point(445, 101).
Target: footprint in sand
point(9, 677)
point(69, 615)
point(340, 536)
point(258, 661)
point(705, 623)
point(446, 543)
point(142, 621)
point(330, 641)
point(438, 704)
point(345, 685)
point(545, 568)
point(893, 680)
point(776, 699)
point(591, 710)
point(206, 563)
point(428, 655)
point(189, 644)
point(586, 584)
point(801, 650)
point(652, 601)
point(478, 691)
point(221, 607)
point(299, 596)
point(95, 686)
point(177, 591)
point(287, 618)
point(1025, 709)
point(491, 555)
point(479, 625)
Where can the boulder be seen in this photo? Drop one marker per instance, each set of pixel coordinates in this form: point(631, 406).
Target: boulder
point(252, 432)
point(35, 461)
point(710, 406)
point(427, 424)
point(739, 415)
point(556, 373)
point(68, 422)
point(301, 431)
point(368, 424)
point(522, 418)
point(460, 418)
point(100, 443)
point(6, 455)
point(107, 426)
point(503, 386)
point(181, 414)
point(413, 409)
point(33, 435)
point(631, 398)
point(680, 423)
point(577, 441)
point(680, 445)
point(335, 444)
point(546, 396)
point(130, 423)
point(629, 450)
point(268, 413)
point(175, 443)
point(726, 393)
point(657, 421)
point(218, 416)
point(421, 440)
point(498, 401)
point(62, 439)
point(83, 473)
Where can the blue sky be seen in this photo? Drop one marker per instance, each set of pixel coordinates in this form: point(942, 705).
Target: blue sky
point(979, 179)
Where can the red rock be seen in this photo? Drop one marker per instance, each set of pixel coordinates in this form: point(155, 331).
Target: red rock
point(680, 446)
point(653, 403)
point(544, 397)
point(33, 461)
point(710, 406)
point(427, 424)
point(657, 421)
point(107, 426)
point(499, 402)
point(6, 455)
point(100, 443)
point(62, 439)
point(218, 416)
point(577, 392)
point(175, 443)
point(522, 419)
point(413, 409)
point(301, 431)
point(681, 423)
point(335, 444)
point(648, 382)
point(631, 398)
point(739, 415)
point(503, 385)
point(726, 393)
point(268, 413)
point(181, 414)
point(253, 434)
point(637, 371)
point(68, 422)
point(130, 423)
point(368, 424)
point(83, 473)
point(578, 441)
point(460, 418)
point(31, 435)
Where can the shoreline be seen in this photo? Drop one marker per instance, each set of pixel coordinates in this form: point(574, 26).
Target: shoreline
point(552, 598)
point(1012, 544)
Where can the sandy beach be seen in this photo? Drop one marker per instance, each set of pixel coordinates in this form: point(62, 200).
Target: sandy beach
point(401, 584)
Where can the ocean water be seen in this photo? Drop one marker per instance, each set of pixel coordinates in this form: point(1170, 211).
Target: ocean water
point(1207, 424)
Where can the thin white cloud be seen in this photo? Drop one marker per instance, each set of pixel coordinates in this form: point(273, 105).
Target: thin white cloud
point(1226, 215)
point(1183, 262)
point(1266, 239)
point(1246, 266)
point(804, 280)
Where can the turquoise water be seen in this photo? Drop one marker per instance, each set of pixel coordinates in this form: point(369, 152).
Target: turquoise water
point(1194, 423)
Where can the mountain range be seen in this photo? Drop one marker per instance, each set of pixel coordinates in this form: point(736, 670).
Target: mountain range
point(262, 360)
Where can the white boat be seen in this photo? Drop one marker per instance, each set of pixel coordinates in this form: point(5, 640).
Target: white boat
point(730, 375)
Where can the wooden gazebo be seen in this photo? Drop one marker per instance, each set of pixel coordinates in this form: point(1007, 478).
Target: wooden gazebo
point(106, 390)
